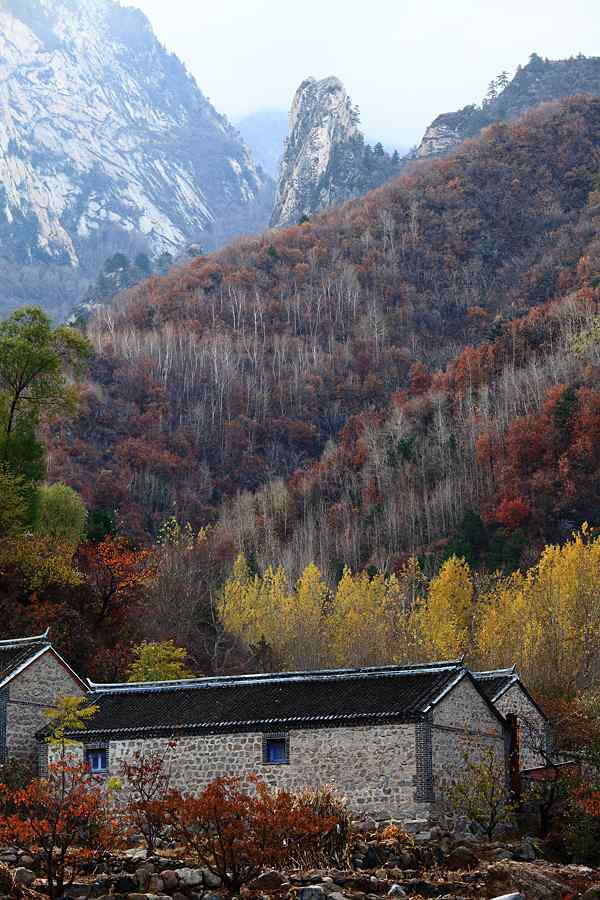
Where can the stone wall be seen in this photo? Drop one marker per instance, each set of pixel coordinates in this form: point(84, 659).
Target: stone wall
point(463, 721)
point(374, 766)
point(532, 725)
point(39, 686)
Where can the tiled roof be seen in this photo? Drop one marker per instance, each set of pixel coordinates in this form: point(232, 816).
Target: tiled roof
point(266, 702)
point(496, 681)
point(16, 653)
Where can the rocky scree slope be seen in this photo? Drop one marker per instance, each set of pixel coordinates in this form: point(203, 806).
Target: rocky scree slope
point(103, 133)
point(326, 161)
point(540, 81)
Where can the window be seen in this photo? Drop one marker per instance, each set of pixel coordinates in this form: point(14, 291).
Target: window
point(97, 759)
point(276, 750)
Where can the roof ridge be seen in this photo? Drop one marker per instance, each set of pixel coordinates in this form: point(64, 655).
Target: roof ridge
point(275, 677)
point(18, 642)
point(496, 673)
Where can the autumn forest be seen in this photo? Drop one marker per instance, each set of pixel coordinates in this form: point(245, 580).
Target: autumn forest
point(373, 437)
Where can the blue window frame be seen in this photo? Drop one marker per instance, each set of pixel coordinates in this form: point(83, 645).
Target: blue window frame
point(97, 759)
point(276, 750)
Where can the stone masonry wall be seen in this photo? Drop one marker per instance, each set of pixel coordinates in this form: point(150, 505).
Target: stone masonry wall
point(532, 730)
point(35, 689)
point(374, 767)
point(462, 721)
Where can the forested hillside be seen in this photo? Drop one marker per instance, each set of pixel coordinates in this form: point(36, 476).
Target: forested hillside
point(259, 366)
point(368, 427)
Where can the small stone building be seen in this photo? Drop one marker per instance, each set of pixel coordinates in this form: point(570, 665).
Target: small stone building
point(510, 696)
point(386, 737)
point(33, 676)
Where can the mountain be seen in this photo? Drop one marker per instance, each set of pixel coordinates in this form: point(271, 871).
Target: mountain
point(541, 80)
point(326, 161)
point(107, 143)
point(343, 390)
point(265, 131)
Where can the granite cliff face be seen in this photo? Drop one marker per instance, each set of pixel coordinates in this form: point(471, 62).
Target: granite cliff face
point(325, 160)
point(541, 80)
point(105, 138)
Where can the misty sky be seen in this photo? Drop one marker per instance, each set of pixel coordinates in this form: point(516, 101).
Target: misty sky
point(401, 62)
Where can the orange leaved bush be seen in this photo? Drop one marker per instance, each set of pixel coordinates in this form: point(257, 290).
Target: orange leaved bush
point(65, 817)
point(236, 828)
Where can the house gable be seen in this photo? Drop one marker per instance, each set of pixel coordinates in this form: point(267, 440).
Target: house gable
point(510, 696)
point(533, 725)
point(35, 677)
point(463, 720)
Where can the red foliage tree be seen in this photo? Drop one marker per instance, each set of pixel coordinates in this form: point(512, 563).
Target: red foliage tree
point(65, 817)
point(236, 829)
point(114, 573)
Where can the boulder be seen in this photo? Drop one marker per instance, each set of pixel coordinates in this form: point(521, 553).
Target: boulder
point(314, 892)
point(142, 876)
point(136, 853)
point(156, 885)
point(210, 879)
point(125, 884)
point(23, 877)
point(169, 880)
point(524, 851)
point(189, 877)
point(268, 881)
point(514, 877)
point(592, 893)
point(461, 858)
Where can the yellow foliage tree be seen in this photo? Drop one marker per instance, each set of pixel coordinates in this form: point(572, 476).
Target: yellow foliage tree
point(442, 623)
point(548, 621)
point(363, 620)
point(158, 661)
point(70, 713)
point(303, 642)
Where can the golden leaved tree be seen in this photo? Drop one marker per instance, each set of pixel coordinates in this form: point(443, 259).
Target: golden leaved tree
point(260, 609)
point(548, 621)
point(443, 622)
point(363, 620)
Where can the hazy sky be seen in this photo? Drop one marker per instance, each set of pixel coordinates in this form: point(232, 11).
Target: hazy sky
point(401, 62)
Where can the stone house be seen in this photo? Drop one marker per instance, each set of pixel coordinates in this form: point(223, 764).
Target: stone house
point(384, 736)
point(33, 676)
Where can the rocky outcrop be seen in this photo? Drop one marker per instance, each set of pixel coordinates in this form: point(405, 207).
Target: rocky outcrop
point(106, 140)
point(325, 159)
point(541, 80)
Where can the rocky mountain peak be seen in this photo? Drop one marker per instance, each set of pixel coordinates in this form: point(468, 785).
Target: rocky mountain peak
point(325, 160)
point(540, 81)
point(106, 140)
